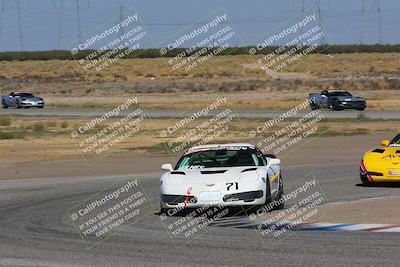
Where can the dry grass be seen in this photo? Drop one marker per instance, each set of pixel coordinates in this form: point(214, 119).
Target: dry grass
point(49, 138)
point(65, 83)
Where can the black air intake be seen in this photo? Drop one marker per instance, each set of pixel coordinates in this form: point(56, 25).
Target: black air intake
point(249, 170)
point(178, 172)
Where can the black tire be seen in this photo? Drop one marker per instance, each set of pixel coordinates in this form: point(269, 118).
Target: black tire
point(331, 105)
point(40, 106)
point(18, 105)
point(267, 192)
point(256, 208)
point(280, 195)
point(364, 179)
point(334, 105)
point(361, 109)
point(164, 210)
point(313, 107)
point(3, 103)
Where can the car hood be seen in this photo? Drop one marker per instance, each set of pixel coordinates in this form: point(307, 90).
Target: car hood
point(211, 175)
point(350, 98)
point(381, 158)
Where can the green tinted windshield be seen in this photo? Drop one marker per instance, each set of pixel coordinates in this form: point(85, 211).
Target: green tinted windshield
point(220, 158)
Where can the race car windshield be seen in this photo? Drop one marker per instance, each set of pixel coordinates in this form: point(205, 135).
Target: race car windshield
point(24, 95)
point(220, 158)
point(396, 141)
point(339, 94)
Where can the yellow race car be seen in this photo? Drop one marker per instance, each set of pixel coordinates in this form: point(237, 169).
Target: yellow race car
point(382, 164)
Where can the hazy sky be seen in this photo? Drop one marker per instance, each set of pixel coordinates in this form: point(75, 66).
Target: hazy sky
point(44, 25)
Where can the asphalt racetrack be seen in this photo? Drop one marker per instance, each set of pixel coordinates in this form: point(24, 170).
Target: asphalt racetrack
point(36, 231)
point(171, 113)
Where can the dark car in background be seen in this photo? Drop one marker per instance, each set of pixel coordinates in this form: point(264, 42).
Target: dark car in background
point(337, 99)
point(21, 100)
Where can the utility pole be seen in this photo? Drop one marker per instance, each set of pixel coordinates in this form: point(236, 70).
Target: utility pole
point(78, 20)
point(1, 20)
point(362, 23)
point(381, 34)
point(318, 3)
point(21, 37)
point(60, 25)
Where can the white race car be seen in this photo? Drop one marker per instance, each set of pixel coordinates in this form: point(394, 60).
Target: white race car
point(215, 175)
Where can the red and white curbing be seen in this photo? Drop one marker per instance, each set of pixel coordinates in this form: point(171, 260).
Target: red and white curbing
point(377, 228)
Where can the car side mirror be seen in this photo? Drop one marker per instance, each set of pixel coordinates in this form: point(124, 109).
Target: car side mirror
point(385, 143)
point(167, 167)
point(273, 161)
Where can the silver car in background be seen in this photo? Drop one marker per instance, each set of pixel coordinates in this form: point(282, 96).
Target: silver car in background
point(21, 100)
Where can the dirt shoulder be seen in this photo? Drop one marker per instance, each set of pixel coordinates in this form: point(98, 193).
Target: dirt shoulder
point(379, 210)
point(316, 151)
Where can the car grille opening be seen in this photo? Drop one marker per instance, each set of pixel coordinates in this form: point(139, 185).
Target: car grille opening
point(245, 196)
point(176, 199)
point(375, 173)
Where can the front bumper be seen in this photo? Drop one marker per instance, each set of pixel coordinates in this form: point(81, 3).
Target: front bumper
point(32, 104)
point(353, 105)
point(378, 177)
point(249, 198)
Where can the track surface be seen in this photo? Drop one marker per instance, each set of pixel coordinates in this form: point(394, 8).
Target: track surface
point(168, 113)
point(36, 232)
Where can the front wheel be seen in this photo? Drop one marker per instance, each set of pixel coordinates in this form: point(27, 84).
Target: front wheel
point(364, 178)
point(313, 107)
point(279, 196)
point(334, 105)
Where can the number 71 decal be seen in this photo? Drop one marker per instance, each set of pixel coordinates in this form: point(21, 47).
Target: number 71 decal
point(229, 185)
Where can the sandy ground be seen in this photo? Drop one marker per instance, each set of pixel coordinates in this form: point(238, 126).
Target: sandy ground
point(370, 210)
point(377, 210)
point(314, 151)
